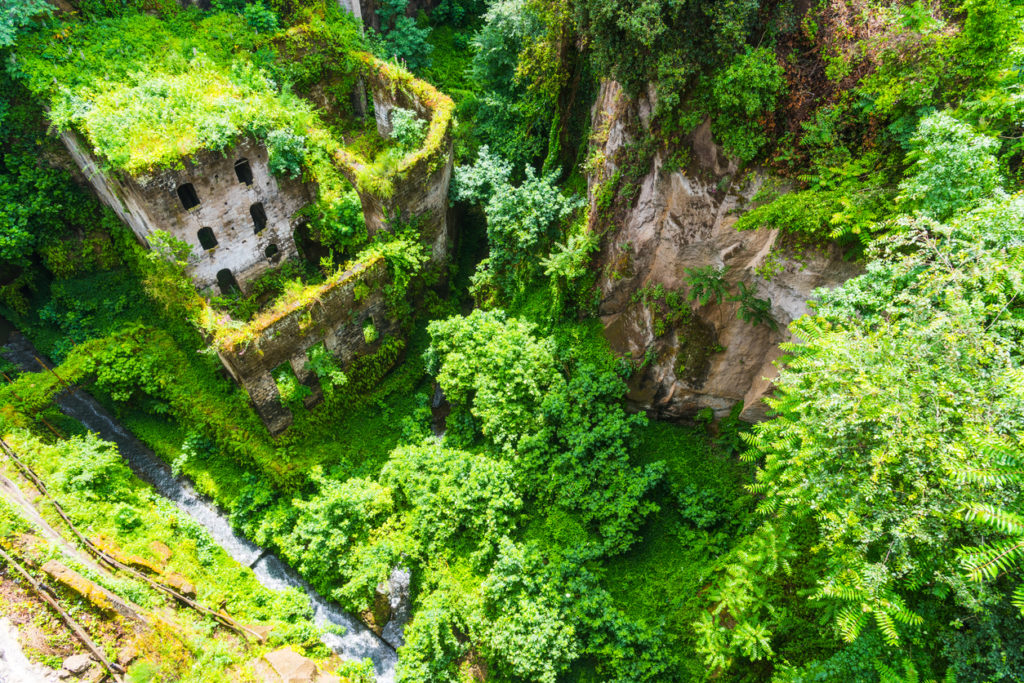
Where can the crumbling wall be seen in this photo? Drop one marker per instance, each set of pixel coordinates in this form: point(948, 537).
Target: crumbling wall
point(417, 189)
point(147, 204)
point(421, 187)
point(335, 317)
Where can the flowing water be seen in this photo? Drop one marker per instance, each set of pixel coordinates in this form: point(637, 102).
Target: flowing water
point(357, 642)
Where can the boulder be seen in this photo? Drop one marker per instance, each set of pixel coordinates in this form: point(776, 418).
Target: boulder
point(180, 584)
point(77, 664)
point(291, 667)
point(161, 551)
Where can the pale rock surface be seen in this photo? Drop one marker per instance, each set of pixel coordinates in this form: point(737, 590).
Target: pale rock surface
point(14, 666)
point(684, 219)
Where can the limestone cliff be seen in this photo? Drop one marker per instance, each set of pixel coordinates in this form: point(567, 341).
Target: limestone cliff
point(666, 221)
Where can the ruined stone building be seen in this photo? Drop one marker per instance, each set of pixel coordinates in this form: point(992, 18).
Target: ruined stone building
point(240, 220)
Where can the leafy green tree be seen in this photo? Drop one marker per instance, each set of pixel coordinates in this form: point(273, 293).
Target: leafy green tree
point(988, 561)
point(432, 647)
point(452, 494)
point(511, 119)
point(519, 220)
point(742, 93)
point(403, 38)
point(340, 537)
point(898, 423)
point(15, 15)
point(520, 623)
point(568, 437)
point(954, 167)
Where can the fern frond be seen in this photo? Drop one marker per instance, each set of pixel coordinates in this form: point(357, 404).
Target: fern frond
point(888, 628)
point(986, 562)
point(851, 621)
point(999, 519)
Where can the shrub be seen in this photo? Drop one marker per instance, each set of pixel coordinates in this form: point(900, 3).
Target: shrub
point(742, 95)
point(954, 167)
point(286, 151)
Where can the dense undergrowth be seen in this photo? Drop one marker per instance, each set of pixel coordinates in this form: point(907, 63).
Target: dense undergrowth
point(869, 532)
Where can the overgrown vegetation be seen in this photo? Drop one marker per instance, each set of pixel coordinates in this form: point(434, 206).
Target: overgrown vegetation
point(869, 530)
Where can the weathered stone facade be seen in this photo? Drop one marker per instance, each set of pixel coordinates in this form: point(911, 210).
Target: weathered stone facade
point(337, 319)
point(230, 210)
point(421, 190)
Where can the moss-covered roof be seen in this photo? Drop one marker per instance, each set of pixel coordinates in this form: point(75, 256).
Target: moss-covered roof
point(148, 92)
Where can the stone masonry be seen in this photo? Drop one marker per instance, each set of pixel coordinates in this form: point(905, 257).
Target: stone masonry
point(246, 214)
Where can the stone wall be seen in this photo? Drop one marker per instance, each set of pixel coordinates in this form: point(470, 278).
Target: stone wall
point(684, 219)
point(335, 318)
point(147, 204)
point(421, 190)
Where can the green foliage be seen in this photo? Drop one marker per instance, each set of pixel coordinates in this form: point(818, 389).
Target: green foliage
point(568, 269)
point(290, 389)
point(752, 310)
point(123, 374)
point(407, 129)
point(738, 622)
point(432, 647)
point(261, 18)
point(451, 495)
point(17, 14)
point(907, 375)
point(38, 203)
point(485, 178)
point(847, 203)
point(92, 469)
point(706, 283)
point(988, 561)
point(522, 624)
point(642, 41)
point(510, 119)
point(285, 150)
point(953, 167)
point(326, 368)
point(668, 307)
point(741, 95)
point(567, 436)
point(519, 219)
point(180, 91)
point(404, 39)
point(335, 537)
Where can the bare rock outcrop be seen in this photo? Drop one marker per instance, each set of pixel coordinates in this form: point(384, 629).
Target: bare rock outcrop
point(679, 219)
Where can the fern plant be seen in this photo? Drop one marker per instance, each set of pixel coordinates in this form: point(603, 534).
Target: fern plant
point(987, 561)
point(753, 310)
point(707, 284)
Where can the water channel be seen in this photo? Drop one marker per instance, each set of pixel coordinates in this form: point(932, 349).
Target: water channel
point(357, 642)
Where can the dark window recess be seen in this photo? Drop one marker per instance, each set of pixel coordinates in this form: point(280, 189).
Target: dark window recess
point(206, 238)
point(244, 171)
point(187, 195)
point(227, 282)
point(271, 251)
point(259, 216)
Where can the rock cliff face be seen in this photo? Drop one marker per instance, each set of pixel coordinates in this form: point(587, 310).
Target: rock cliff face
point(683, 219)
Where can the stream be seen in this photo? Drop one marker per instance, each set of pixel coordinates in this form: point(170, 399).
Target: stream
point(357, 642)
